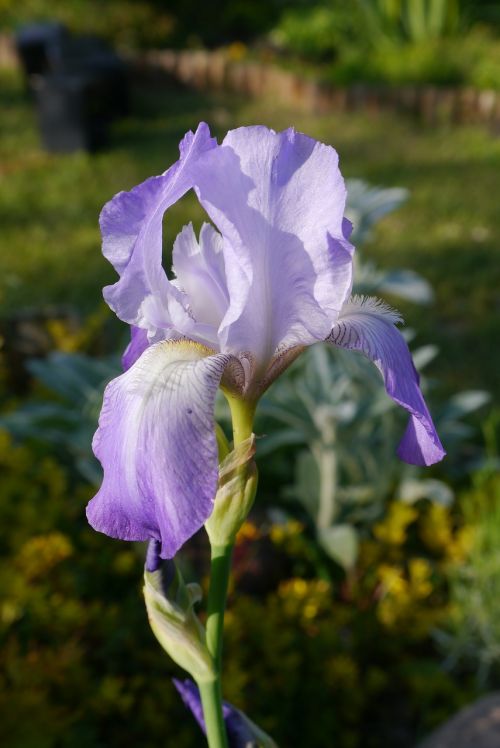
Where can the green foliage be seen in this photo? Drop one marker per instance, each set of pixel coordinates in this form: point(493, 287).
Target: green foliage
point(146, 23)
point(65, 417)
point(333, 405)
point(472, 60)
point(472, 642)
point(307, 658)
point(362, 645)
point(128, 23)
point(392, 41)
point(78, 664)
point(450, 233)
point(316, 33)
point(413, 20)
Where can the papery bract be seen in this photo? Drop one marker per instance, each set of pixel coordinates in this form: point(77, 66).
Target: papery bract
point(273, 276)
point(170, 606)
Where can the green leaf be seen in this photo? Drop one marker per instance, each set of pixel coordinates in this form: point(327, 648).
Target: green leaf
point(341, 543)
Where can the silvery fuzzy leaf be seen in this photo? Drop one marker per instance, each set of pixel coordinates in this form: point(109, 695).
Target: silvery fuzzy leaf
point(466, 402)
point(411, 490)
point(406, 284)
point(74, 376)
point(424, 355)
point(367, 204)
point(341, 543)
point(284, 438)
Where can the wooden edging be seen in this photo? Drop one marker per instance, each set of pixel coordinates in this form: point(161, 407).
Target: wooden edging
point(205, 70)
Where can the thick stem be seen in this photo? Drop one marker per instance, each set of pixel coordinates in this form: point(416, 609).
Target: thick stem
point(211, 699)
point(219, 579)
point(211, 693)
point(242, 415)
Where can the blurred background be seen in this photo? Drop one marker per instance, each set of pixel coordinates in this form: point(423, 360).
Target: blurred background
point(365, 601)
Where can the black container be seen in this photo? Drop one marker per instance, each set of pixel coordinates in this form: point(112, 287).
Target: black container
point(38, 47)
point(91, 56)
point(72, 111)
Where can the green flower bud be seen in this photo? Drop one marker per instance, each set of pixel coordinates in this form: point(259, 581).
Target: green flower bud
point(170, 605)
point(235, 495)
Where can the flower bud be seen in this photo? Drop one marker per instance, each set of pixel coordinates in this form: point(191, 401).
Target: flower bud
point(170, 605)
point(235, 494)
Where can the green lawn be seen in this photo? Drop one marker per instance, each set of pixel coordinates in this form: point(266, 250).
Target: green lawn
point(449, 231)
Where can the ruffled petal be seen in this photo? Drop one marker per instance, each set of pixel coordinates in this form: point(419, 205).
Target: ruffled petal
point(131, 226)
point(200, 271)
point(156, 442)
point(138, 344)
point(368, 326)
point(278, 200)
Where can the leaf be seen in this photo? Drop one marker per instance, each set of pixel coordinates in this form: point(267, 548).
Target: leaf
point(407, 285)
point(341, 543)
point(411, 490)
point(466, 402)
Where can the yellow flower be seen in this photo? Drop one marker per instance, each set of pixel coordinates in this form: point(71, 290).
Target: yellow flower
point(393, 529)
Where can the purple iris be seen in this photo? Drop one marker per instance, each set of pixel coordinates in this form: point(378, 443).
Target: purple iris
point(274, 276)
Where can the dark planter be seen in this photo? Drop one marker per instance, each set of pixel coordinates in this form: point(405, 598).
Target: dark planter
point(38, 47)
point(72, 111)
point(89, 55)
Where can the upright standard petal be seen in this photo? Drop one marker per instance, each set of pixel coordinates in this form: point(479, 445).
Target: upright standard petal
point(131, 226)
point(156, 442)
point(368, 326)
point(201, 274)
point(278, 200)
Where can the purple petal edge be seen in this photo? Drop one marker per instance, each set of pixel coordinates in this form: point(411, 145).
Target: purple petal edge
point(368, 326)
point(156, 442)
point(238, 733)
point(131, 227)
point(138, 344)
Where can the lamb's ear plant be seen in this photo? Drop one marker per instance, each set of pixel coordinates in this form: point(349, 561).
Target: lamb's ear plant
point(331, 410)
point(273, 277)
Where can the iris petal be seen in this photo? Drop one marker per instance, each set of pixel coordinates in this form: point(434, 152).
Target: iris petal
point(368, 326)
point(201, 274)
point(156, 442)
point(131, 226)
point(278, 200)
point(138, 344)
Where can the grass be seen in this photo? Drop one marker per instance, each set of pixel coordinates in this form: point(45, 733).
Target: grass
point(449, 231)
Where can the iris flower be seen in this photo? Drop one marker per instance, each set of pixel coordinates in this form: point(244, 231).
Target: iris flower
point(271, 275)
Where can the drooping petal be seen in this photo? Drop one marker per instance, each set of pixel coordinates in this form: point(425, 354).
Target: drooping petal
point(156, 442)
point(131, 226)
point(241, 731)
point(138, 344)
point(368, 326)
point(278, 199)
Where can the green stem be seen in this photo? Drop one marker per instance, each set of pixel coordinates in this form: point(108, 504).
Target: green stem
point(219, 579)
point(211, 699)
point(242, 414)
point(211, 691)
